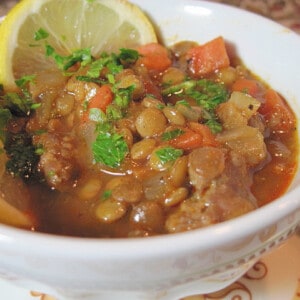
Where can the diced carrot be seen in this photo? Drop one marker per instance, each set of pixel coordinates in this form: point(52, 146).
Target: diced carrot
point(207, 58)
point(208, 138)
point(154, 57)
point(188, 140)
point(277, 113)
point(102, 99)
point(248, 86)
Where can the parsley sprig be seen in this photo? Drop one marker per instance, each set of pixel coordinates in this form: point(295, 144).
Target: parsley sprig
point(168, 154)
point(20, 104)
point(109, 149)
point(207, 94)
point(172, 134)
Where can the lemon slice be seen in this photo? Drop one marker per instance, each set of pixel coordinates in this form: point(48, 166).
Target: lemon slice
point(101, 25)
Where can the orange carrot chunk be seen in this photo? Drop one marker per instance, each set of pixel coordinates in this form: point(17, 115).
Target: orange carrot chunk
point(208, 138)
point(154, 57)
point(188, 140)
point(207, 58)
point(277, 113)
point(248, 86)
point(102, 98)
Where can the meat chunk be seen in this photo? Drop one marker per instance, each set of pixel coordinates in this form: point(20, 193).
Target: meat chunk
point(205, 164)
point(237, 110)
point(247, 141)
point(222, 195)
point(59, 160)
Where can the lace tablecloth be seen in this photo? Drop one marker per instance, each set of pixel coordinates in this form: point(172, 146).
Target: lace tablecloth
point(287, 12)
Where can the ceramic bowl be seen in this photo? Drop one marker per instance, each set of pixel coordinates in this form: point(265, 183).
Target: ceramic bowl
point(199, 261)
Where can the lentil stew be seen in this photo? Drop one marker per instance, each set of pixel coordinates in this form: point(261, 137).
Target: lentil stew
point(146, 141)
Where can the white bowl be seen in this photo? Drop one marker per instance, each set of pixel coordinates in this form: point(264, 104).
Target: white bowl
point(199, 261)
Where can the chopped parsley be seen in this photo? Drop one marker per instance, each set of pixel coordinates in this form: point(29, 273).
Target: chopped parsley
point(206, 93)
point(172, 134)
point(113, 62)
point(20, 104)
point(106, 194)
point(41, 34)
point(180, 88)
point(97, 115)
point(209, 94)
point(82, 56)
point(128, 56)
point(110, 149)
point(168, 154)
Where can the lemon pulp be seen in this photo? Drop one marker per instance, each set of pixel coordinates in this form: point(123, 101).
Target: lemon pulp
point(101, 25)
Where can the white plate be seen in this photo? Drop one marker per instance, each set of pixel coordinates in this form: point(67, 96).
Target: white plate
point(275, 277)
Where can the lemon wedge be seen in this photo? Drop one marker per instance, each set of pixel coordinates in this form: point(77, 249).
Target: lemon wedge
point(101, 25)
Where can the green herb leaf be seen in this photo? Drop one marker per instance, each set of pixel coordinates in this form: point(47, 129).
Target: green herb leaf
point(90, 79)
point(41, 34)
point(168, 154)
point(123, 96)
point(109, 149)
point(106, 194)
point(97, 115)
point(17, 104)
point(180, 88)
point(209, 94)
point(128, 56)
point(23, 81)
point(82, 56)
point(95, 68)
point(113, 112)
point(214, 125)
point(40, 150)
point(172, 134)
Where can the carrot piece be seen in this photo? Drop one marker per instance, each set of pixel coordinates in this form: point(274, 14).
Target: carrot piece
point(207, 58)
point(102, 99)
point(208, 138)
point(154, 57)
point(188, 140)
point(248, 86)
point(277, 113)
